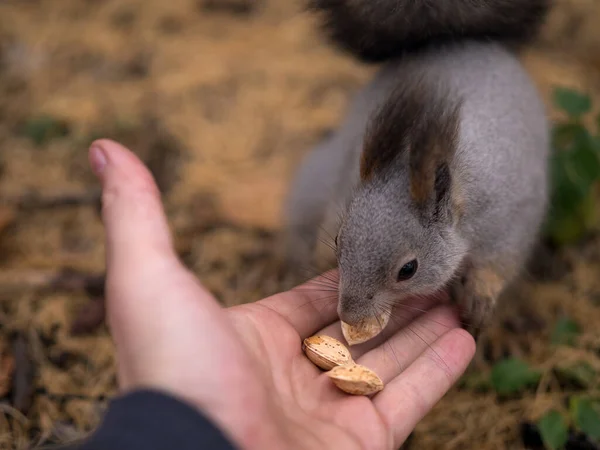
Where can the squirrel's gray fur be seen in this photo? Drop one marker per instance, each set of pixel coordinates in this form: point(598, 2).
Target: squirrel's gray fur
point(442, 158)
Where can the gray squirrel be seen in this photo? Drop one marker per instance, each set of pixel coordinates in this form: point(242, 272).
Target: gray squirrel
point(437, 177)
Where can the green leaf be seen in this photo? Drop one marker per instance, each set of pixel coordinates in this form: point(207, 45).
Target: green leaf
point(566, 135)
point(588, 210)
point(574, 103)
point(580, 374)
point(554, 430)
point(567, 188)
point(574, 173)
point(585, 163)
point(44, 128)
point(512, 376)
point(566, 225)
point(565, 331)
point(586, 417)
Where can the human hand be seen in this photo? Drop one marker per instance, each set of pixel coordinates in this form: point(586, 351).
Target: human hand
point(243, 367)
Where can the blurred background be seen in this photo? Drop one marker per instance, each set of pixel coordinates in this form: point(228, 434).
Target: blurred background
point(221, 98)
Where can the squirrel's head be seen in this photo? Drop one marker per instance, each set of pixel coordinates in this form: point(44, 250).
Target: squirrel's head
point(398, 236)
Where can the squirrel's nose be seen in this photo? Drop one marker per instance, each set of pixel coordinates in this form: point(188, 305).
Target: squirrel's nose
point(353, 309)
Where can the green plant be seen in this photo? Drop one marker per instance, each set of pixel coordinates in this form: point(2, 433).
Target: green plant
point(512, 376)
point(586, 416)
point(43, 128)
point(565, 332)
point(553, 430)
point(575, 170)
point(583, 416)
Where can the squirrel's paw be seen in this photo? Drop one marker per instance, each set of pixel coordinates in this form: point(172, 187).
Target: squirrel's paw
point(476, 294)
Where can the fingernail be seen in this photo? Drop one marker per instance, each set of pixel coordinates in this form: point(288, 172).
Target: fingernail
point(97, 159)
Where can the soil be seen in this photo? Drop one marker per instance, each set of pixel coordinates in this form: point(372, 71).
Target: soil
point(221, 99)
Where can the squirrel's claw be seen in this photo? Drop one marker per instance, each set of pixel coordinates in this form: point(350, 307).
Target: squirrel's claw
point(476, 292)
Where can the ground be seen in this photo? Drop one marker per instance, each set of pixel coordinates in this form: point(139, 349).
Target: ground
point(221, 98)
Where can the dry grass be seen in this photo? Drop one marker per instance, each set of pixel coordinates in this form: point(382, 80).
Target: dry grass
point(222, 104)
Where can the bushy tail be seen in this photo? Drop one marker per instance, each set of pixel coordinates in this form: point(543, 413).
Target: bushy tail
point(376, 30)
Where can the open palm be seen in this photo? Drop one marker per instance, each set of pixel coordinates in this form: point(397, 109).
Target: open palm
point(243, 366)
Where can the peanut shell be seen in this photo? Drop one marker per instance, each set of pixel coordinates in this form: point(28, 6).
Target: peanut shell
point(356, 379)
point(326, 352)
point(366, 329)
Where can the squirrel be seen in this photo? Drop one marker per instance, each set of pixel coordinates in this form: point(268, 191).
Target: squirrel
point(437, 178)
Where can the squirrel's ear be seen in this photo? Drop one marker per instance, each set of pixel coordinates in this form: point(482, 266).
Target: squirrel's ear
point(431, 157)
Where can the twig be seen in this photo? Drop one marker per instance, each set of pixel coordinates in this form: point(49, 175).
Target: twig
point(23, 378)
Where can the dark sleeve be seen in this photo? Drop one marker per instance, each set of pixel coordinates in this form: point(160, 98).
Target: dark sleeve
point(151, 420)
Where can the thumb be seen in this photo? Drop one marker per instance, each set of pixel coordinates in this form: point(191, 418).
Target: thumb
point(136, 227)
point(155, 306)
point(140, 260)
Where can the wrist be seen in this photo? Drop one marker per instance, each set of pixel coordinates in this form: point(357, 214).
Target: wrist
point(150, 418)
point(252, 427)
point(248, 426)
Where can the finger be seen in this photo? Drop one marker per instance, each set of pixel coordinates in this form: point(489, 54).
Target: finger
point(141, 261)
point(389, 359)
point(402, 315)
point(412, 394)
point(310, 306)
point(136, 227)
point(148, 289)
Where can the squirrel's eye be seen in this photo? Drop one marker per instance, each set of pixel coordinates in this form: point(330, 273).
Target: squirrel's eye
point(408, 270)
point(335, 240)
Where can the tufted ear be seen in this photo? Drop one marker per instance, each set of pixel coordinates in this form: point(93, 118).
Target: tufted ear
point(431, 156)
point(418, 127)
